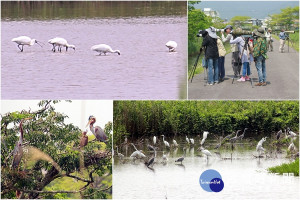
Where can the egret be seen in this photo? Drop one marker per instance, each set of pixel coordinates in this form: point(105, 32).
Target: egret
point(175, 143)
point(187, 139)
point(104, 48)
point(60, 42)
point(154, 140)
point(291, 133)
point(192, 141)
point(206, 152)
point(18, 150)
point(84, 139)
point(165, 142)
point(259, 146)
point(24, 40)
point(164, 157)
point(97, 131)
point(291, 147)
point(205, 133)
point(121, 156)
point(171, 45)
point(137, 154)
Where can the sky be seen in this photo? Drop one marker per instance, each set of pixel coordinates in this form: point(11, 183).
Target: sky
point(253, 9)
point(78, 110)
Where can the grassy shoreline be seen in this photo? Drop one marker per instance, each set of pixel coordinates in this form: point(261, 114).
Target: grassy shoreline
point(292, 167)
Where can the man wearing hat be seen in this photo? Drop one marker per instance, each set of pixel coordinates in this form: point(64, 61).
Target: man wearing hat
point(269, 40)
point(211, 55)
point(236, 64)
point(260, 56)
point(282, 37)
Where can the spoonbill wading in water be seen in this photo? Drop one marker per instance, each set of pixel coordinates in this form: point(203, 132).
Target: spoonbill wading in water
point(60, 42)
point(171, 45)
point(104, 48)
point(24, 40)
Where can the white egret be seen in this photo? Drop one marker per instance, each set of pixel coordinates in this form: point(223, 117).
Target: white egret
point(192, 141)
point(175, 143)
point(24, 40)
point(165, 142)
point(60, 42)
point(205, 133)
point(104, 48)
point(171, 45)
point(206, 152)
point(154, 140)
point(259, 146)
point(187, 139)
point(164, 157)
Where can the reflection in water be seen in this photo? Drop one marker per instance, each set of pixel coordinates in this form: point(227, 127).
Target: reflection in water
point(243, 175)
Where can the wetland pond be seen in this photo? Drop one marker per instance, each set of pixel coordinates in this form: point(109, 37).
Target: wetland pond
point(144, 70)
point(244, 176)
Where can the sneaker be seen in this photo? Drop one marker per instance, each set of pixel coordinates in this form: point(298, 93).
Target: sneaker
point(258, 84)
point(263, 83)
point(210, 84)
point(217, 82)
point(247, 78)
point(242, 79)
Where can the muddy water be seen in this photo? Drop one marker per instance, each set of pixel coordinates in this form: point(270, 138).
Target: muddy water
point(144, 70)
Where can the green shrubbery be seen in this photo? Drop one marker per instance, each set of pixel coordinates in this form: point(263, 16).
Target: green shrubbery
point(292, 167)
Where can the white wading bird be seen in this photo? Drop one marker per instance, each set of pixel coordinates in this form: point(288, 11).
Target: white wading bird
point(205, 151)
point(60, 42)
point(165, 142)
point(205, 133)
point(171, 45)
point(24, 40)
point(104, 48)
point(154, 140)
point(259, 146)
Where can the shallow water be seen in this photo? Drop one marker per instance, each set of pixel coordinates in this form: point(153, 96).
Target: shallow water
point(144, 70)
point(243, 176)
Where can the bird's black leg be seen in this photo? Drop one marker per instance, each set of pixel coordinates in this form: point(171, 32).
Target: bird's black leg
point(19, 47)
point(60, 49)
point(66, 48)
point(22, 48)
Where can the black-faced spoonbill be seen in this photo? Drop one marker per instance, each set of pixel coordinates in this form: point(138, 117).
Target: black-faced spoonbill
point(171, 45)
point(104, 48)
point(60, 42)
point(24, 40)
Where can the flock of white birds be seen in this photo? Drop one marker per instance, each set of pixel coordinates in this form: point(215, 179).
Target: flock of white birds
point(61, 42)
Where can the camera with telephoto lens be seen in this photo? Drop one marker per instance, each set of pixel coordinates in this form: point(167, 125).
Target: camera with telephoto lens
point(202, 33)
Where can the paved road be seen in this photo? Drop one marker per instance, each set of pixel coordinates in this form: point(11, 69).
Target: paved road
point(282, 79)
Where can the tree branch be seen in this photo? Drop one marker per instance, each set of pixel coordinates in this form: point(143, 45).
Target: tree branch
point(98, 191)
point(76, 177)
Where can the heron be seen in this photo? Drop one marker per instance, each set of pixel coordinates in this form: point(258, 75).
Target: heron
point(60, 42)
point(187, 140)
point(175, 143)
point(206, 152)
point(24, 40)
point(18, 150)
point(205, 133)
point(233, 139)
point(84, 139)
point(171, 45)
point(151, 160)
point(121, 156)
point(278, 134)
point(259, 146)
point(154, 140)
point(97, 130)
point(165, 142)
point(291, 133)
point(104, 48)
point(242, 136)
point(151, 148)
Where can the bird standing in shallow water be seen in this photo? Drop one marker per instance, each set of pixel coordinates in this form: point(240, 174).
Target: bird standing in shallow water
point(104, 48)
point(171, 45)
point(24, 40)
point(60, 42)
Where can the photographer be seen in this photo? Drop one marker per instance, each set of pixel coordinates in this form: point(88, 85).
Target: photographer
point(211, 55)
point(282, 37)
point(245, 56)
point(269, 40)
point(236, 64)
point(260, 56)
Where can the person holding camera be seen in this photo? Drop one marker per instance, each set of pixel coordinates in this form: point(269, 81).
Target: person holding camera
point(282, 37)
point(269, 40)
point(211, 55)
point(235, 61)
point(245, 57)
point(260, 56)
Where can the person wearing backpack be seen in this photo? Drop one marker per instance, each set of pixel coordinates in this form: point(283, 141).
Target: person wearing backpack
point(260, 56)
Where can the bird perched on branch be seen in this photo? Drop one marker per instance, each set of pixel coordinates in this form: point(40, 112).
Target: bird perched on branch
point(97, 130)
point(84, 139)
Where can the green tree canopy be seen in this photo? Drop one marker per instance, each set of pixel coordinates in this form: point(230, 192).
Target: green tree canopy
point(49, 135)
point(286, 18)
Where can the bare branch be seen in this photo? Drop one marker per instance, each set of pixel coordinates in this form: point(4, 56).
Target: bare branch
point(78, 178)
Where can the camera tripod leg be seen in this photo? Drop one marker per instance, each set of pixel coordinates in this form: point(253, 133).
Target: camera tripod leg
point(251, 82)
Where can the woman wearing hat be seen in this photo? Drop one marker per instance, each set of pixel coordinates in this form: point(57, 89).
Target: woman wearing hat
point(260, 56)
point(269, 40)
point(211, 55)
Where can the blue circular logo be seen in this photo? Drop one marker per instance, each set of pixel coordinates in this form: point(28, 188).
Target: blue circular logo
point(211, 181)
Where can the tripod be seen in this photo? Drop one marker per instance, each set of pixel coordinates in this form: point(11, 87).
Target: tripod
point(195, 65)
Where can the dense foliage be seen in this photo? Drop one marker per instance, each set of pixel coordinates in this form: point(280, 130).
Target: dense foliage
point(286, 18)
point(47, 132)
point(138, 118)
